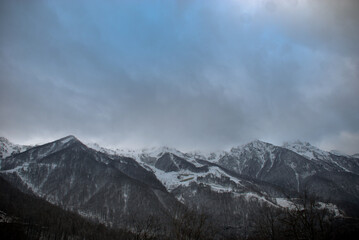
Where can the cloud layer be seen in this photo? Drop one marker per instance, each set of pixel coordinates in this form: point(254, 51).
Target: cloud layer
point(190, 74)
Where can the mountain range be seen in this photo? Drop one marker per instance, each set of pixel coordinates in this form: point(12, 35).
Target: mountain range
point(121, 187)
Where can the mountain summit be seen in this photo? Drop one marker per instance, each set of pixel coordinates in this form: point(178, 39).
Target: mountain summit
point(8, 148)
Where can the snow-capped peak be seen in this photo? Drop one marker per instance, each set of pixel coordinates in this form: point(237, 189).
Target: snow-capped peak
point(68, 139)
point(256, 145)
point(97, 147)
point(306, 149)
point(157, 151)
point(135, 153)
point(8, 148)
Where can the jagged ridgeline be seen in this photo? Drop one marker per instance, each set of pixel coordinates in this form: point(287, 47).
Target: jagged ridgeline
point(162, 192)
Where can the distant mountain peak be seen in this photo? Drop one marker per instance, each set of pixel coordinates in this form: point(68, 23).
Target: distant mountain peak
point(8, 148)
point(305, 149)
point(68, 139)
point(255, 144)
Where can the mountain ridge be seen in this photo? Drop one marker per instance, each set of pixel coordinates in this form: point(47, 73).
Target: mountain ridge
point(111, 185)
point(300, 147)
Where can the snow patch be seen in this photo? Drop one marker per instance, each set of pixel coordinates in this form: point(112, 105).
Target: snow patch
point(8, 148)
point(306, 150)
point(285, 203)
point(67, 139)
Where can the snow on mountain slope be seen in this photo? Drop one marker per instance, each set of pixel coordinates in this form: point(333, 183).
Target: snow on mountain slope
point(98, 148)
point(184, 169)
point(8, 148)
point(290, 168)
point(249, 159)
point(67, 173)
point(333, 160)
point(146, 154)
point(209, 156)
point(174, 168)
point(253, 159)
point(180, 172)
point(155, 160)
point(305, 149)
point(256, 170)
point(281, 166)
point(185, 177)
point(311, 152)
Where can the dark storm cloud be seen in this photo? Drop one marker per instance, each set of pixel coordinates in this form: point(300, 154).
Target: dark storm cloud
point(189, 74)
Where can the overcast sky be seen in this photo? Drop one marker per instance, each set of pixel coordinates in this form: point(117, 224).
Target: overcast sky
point(190, 74)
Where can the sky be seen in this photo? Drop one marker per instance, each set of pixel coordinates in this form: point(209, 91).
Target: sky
point(190, 74)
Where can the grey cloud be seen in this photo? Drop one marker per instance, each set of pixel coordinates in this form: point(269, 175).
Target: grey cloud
point(180, 73)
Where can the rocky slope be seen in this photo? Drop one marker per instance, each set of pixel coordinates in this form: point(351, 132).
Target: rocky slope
point(69, 174)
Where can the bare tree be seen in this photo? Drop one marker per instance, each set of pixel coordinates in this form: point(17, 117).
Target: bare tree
point(191, 225)
point(305, 218)
point(308, 218)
